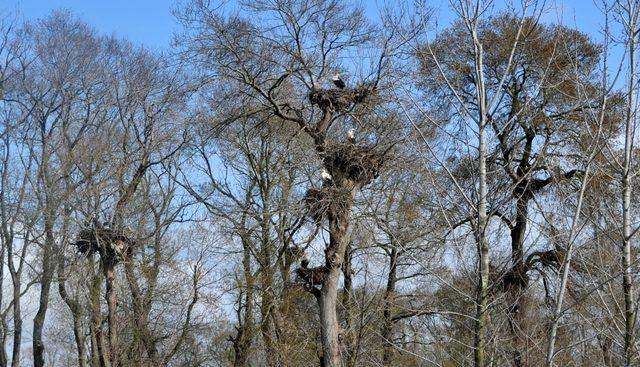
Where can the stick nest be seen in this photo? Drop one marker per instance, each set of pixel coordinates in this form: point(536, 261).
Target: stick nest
point(312, 277)
point(327, 199)
point(340, 99)
point(112, 244)
point(356, 163)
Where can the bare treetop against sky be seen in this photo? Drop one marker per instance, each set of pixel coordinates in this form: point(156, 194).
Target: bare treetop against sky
point(151, 22)
point(283, 183)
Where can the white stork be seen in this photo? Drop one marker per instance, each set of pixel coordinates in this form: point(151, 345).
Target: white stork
point(326, 176)
point(351, 135)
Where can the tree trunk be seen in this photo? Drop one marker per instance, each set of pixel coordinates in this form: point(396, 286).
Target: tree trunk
point(79, 338)
point(330, 328)
point(481, 238)
point(243, 339)
point(627, 276)
point(143, 339)
point(389, 298)
point(45, 286)
point(76, 313)
point(266, 282)
point(17, 321)
point(516, 292)
point(98, 358)
point(350, 336)
point(16, 281)
point(3, 349)
point(112, 301)
point(75, 309)
point(327, 297)
point(266, 308)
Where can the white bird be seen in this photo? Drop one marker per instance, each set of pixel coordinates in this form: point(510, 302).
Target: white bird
point(351, 135)
point(338, 81)
point(119, 247)
point(326, 176)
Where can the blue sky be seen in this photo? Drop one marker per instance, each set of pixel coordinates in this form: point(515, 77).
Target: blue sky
point(148, 22)
point(151, 23)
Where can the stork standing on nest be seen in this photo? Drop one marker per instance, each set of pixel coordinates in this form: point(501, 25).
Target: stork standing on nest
point(338, 81)
point(326, 176)
point(351, 136)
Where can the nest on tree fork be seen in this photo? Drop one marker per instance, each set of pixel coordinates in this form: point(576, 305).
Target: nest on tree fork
point(345, 162)
point(515, 279)
point(518, 277)
point(113, 245)
point(321, 201)
point(353, 162)
point(312, 277)
point(340, 99)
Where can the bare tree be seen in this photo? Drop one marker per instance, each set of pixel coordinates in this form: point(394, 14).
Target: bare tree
point(309, 182)
point(283, 76)
point(628, 18)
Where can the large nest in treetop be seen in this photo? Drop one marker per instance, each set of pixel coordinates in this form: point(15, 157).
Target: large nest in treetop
point(112, 244)
point(353, 162)
point(312, 276)
point(328, 198)
point(340, 99)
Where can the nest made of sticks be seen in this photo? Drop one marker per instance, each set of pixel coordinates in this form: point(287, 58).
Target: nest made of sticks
point(312, 277)
point(515, 279)
point(320, 202)
point(356, 163)
point(340, 99)
point(518, 277)
point(112, 244)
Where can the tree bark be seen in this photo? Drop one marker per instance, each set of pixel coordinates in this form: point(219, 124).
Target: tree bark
point(75, 308)
point(330, 328)
point(389, 297)
point(630, 125)
point(45, 286)
point(243, 339)
point(112, 301)
point(98, 352)
point(17, 321)
point(143, 338)
point(266, 308)
point(350, 335)
point(515, 297)
point(327, 297)
point(480, 331)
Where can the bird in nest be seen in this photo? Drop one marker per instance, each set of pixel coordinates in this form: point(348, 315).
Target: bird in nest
point(326, 176)
point(351, 135)
point(338, 81)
